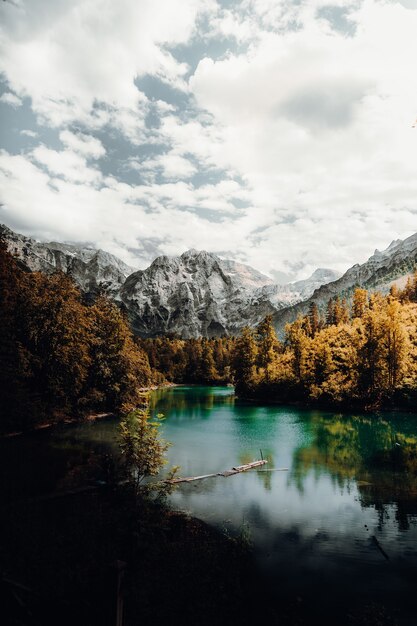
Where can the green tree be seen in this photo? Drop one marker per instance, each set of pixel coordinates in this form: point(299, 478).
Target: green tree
point(268, 346)
point(244, 361)
point(314, 318)
point(143, 451)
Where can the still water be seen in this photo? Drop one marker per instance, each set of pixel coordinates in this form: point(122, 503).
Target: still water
point(342, 518)
point(337, 525)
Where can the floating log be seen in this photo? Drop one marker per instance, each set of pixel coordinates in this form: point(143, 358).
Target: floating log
point(235, 470)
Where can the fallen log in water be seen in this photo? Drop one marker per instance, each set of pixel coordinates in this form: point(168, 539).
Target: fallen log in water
point(235, 470)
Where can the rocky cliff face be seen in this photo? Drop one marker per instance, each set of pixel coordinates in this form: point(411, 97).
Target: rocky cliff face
point(378, 273)
point(200, 294)
point(283, 296)
point(92, 269)
point(194, 294)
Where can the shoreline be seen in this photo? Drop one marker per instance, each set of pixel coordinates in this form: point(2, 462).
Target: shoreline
point(89, 417)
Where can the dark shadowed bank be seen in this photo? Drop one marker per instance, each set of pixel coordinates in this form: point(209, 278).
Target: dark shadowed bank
point(59, 561)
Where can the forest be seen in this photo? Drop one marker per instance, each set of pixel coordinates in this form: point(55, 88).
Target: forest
point(61, 355)
point(362, 353)
point(359, 355)
point(65, 355)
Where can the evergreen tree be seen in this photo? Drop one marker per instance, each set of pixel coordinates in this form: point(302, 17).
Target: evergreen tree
point(119, 367)
point(244, 361)
point(330, 315)
point(360, 302)
point(396, 344)
point(314, 318)
point(267, 345)
point(207, 366)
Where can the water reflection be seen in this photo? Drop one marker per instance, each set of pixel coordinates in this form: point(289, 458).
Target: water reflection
point(193, 402)
point(372, 452)
point(349, 478)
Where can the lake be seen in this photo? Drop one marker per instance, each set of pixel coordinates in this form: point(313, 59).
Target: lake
point(338, 524)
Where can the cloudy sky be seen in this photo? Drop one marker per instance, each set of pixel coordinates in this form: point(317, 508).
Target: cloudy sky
point(275, 132)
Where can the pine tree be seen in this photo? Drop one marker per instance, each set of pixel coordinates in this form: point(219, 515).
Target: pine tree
point(330, 317)
point(396, 343)
point(207, 366)
point(360, 302)
point(119, 367)
point(297, 341)
point(314, 318)
point(267, 345)
point(244, 361)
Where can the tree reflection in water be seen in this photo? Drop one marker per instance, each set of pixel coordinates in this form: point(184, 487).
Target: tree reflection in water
point(370, 452)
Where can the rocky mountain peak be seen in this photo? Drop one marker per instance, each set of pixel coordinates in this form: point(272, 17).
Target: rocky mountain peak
point(196, 293)
point(378, 273)
point(92, 269)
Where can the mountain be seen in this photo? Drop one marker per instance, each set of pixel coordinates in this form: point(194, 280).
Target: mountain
point(198, 293)
point(283, 296)
point(194, 294)
point(378, 273)
point(92, 269)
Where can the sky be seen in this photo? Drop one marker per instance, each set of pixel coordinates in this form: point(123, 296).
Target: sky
point(274, 132)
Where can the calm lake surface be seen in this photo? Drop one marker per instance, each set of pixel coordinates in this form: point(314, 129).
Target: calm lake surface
point(338, 526)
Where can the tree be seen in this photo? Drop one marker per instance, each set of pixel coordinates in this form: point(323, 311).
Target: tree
point(119, 366)
point(314, 318)
point(18, 405)
point(143, 450)
point(396, 343)
point(208, 367)
point(297, 341)
point(244, 360)
point(267, 343)
point(360, 302)
point(56, 332)
point(330, 320)
point(371, 361)
point(340, 311)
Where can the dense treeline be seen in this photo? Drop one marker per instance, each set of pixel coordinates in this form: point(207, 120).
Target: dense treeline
point(59, 355)
point(193, 361)
point(364, 355)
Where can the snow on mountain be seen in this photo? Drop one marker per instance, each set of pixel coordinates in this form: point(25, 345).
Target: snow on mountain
point(194, 294)
point(91, 269)
point(378, 273)
point(282, 296)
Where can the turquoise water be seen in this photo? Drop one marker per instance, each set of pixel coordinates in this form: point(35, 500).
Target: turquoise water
point(342, 517)
point(338, 525)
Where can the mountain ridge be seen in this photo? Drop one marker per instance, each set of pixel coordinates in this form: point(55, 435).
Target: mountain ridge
point(200, 294)
point(383, 269)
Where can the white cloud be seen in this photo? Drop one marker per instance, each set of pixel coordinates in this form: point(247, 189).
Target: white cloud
point(87, 146)
point(172, 166)
point(319, 126)
point(10, 98)
point(114, 215)
point(29, 133)
point(66, 163)
point(306, 127)
point(69, 56)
